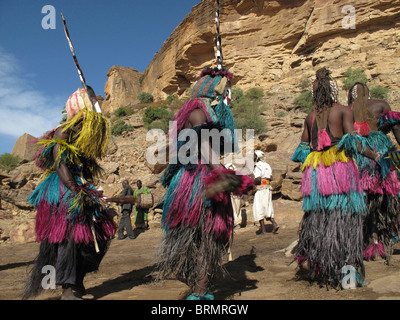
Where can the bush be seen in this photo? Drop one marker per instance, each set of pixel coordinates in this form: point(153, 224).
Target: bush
point(119, 127)
point(9, 162)
point(247, 110)
point(157, 118)
point(162, 124)
point(237, 94)
point(152, 114)
point(352, 76)
point(254, 94)
point(122, 112)
point(145, 97)
point(305, 85)
point(171, 98)
point(379, 92)
point(305, 101)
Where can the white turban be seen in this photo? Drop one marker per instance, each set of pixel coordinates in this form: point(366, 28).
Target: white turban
point(259, 154)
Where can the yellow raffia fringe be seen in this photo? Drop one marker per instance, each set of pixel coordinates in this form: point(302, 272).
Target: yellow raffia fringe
point(65, 151)
point(78, 201)
point(93, 138)
point(327, 158)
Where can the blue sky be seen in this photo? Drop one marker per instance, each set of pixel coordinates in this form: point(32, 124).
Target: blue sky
point(37, 72)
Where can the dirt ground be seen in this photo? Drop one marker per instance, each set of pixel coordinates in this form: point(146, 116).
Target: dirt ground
point(259, 270)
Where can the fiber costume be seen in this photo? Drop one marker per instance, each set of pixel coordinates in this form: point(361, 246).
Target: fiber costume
point(381, 187)
point(71, 225)
point(331, 232)
point(198, 230)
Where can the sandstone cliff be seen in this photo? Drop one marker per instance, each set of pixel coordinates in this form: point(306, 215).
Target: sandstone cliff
point(121, 88)
point(276, 44)
point(23, 148)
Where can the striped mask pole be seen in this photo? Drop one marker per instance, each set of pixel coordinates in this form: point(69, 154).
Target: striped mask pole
point(90, 93)
point(218, 38)
point(218, 43)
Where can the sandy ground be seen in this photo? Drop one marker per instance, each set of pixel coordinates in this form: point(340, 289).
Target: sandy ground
point(259, 270)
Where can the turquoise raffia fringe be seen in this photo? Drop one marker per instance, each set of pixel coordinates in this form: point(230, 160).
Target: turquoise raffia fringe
point(301, 153)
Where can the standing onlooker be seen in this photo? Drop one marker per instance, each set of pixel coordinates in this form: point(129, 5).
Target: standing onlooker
point(126, 210)
point(141, 213)
point(262, 206)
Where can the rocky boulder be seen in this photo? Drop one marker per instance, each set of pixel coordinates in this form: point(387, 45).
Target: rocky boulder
point(121, 88)
point(23, 233)
point(23, 148)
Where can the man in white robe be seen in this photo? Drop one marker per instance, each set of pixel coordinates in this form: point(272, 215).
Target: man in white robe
point(262, 205)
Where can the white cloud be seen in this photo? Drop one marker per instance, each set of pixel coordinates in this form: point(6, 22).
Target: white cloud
point(22, 108)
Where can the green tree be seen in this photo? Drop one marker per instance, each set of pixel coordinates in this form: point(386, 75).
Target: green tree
point(171, 98)
point(9, 162)
point(305, 101)
point(247, 109)
point(123, 111)
point(379, 92)
point(120, 126)
point(352, 76)
point(157, 118)
point(145, 97)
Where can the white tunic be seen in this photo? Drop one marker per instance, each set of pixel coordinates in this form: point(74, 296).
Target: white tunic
point(262, 206)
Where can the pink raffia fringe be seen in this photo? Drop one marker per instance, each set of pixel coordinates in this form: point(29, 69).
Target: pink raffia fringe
point(218, 173)
point(374, 250)
point(323, 140)
point(220, 221)
point(53, 224)
point(362, 128)
point(332, 180)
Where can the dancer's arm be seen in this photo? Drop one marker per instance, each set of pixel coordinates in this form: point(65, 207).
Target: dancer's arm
point(62, 170)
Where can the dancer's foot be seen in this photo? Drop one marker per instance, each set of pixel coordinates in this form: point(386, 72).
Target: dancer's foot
point(275, 229)
point(68, 295)
point(260, 232)
point(82, 293)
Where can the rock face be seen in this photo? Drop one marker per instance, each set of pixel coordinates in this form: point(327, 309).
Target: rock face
point(23, 148)
point(23, 233)
point(121, 88)
point(276, 44)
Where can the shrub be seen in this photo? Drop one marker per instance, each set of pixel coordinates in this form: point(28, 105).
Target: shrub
point(157, 118)
point(305, 85)
point(305, 101)
point(9, 162)
point(122, 112)
point(171, 98)
point(237, 94)
point(119, 127)
point(247, 110)
point(162, 124)
point(152, 114)
point(352, 76)
point(379, 92)
point(254, 94)
point(145, 97)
